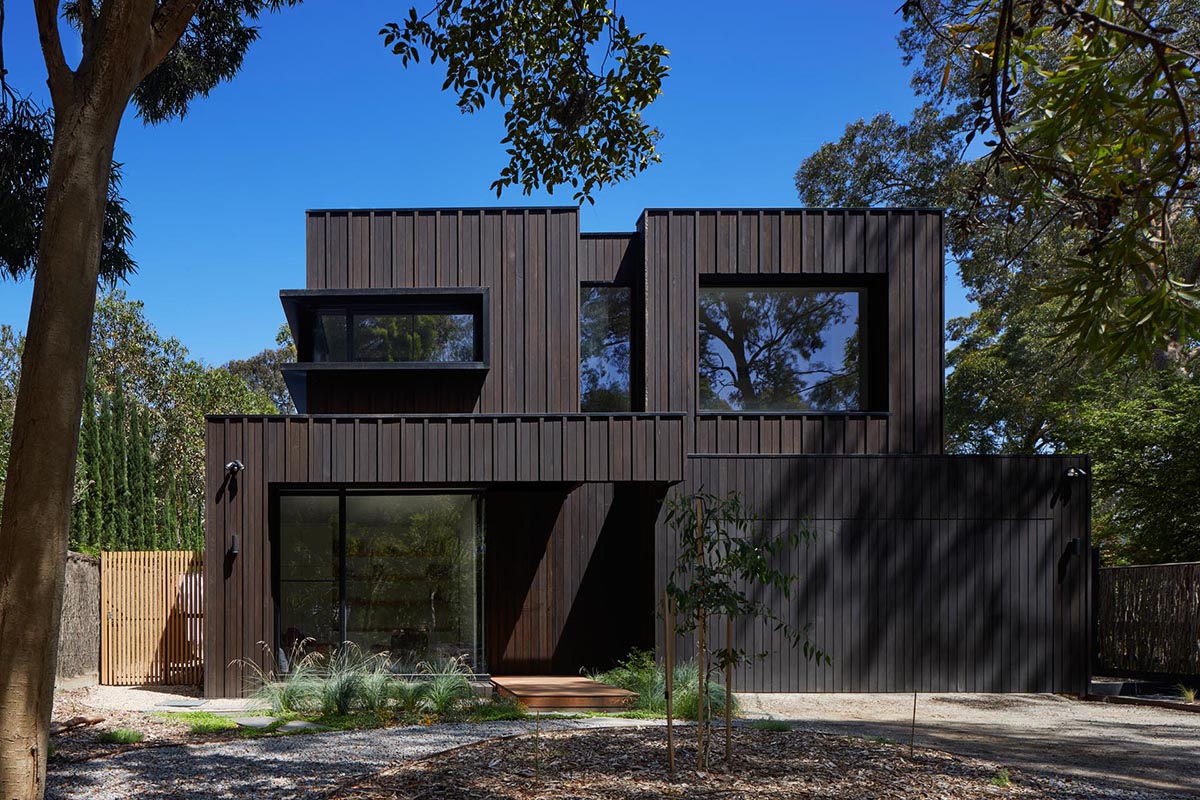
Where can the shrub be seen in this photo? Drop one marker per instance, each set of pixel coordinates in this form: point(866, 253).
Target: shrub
point(1186, 693)
point(639, 672)
point(497, 708)
point(408, 695)
point(449, 686)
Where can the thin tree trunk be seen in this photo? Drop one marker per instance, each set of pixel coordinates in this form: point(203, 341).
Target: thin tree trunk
point(41, 468)
point(701, 624)
point(669, 677)
point(728, 688)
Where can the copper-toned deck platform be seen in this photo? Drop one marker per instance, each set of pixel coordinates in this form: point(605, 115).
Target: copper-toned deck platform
point(552, 691)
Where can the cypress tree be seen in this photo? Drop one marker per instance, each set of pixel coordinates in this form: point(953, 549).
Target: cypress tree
point(82, 533)
point(120, 457)
point(150, 485)
point(134, 477)
point(170, 517)
point(106, 537)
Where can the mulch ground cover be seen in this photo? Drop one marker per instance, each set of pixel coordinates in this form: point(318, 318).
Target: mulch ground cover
point(631, 764)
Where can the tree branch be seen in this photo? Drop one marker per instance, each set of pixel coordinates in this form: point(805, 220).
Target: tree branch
point(170, 22)
point(60, 78)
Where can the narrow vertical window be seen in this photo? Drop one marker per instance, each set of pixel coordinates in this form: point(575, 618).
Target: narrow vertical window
point(604, 348)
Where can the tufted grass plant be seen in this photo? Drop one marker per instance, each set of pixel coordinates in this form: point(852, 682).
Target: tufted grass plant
point(639, 672)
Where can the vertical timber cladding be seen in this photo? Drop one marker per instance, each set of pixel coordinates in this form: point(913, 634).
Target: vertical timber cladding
point(556, 451)
point(903, 248)
point(529, 258)
point(931, 574)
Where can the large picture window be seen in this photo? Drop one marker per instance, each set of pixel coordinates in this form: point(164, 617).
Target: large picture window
point(394, 573)
point(605, 336)
point(779, 349)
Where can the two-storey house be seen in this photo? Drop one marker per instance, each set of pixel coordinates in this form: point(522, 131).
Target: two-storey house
point(493, 408)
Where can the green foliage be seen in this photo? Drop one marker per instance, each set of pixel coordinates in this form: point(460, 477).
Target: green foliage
point(639, 672)
point(1066, 163)
point(1145, 464)
point(262, 374)
point(1090, 114)
point(497, 709)
point(120, 736)
point(140, 464)
point(200, 723)
point(725, 557)
point(774, 725)
point(26, 141)
point(343, 689)
point(449, 686)
point(1186, 693)
point(1002, 778)
point(574, 80)
point(409, 696)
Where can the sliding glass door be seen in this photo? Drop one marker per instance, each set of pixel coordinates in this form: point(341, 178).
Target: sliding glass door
point(395, 573)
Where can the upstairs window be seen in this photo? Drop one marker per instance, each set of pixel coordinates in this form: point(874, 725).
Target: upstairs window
point(604, 348)
point(395, 337)
point(779, 349)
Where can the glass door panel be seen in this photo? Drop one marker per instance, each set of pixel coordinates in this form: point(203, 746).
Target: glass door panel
point(411, 575)
point(308, 571)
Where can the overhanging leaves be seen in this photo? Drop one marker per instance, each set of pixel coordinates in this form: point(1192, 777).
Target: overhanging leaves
point(572, 76)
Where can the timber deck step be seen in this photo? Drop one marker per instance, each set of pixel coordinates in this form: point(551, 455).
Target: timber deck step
point(545, 692)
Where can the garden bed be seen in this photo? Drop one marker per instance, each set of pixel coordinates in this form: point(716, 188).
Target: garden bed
point(632, 763)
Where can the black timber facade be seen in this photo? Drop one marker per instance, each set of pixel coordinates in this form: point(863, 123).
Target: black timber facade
point(933, 573)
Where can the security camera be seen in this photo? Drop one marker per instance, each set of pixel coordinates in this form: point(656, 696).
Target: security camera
point(234, 467)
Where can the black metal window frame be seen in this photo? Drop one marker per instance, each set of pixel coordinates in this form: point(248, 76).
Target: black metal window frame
point(873, 341)
point(341, 493)
point(303, 307)
point(349, 312)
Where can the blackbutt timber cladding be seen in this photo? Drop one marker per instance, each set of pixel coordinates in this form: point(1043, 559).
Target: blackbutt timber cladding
point(925, 573)
point(533, 260)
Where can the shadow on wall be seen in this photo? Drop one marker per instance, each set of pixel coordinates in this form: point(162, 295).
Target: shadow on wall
point(926, 573)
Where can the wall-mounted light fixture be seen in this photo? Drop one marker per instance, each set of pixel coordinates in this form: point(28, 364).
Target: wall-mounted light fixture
point(233, 546)
point(1076, 472)
point(234, 467)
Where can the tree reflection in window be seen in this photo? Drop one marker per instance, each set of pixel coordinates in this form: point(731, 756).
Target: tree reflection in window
point(604, 341)
point(779, 349)
point(393, 337)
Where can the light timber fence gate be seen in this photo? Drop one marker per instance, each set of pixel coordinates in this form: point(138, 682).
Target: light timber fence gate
point(151, 617)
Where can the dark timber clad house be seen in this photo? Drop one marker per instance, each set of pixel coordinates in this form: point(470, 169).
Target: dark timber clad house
point(493, 407)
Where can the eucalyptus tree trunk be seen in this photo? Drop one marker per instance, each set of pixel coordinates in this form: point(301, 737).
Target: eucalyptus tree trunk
point(122, 43)
point(41, 467)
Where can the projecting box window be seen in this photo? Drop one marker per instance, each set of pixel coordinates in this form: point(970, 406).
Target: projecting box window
point(395, 337)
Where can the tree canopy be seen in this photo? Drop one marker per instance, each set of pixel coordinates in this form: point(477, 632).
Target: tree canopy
point(1077, 120)
point(1021, 378)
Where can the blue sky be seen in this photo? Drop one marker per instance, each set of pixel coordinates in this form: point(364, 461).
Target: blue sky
point(323, 116)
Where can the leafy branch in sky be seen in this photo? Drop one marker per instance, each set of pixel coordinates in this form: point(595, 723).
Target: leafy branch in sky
point(572, 76)
point(1089, 114)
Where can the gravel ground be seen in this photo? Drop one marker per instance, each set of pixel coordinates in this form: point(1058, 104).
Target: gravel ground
point(1137, 747)
point(766, 765)
point(1142, 751)
point(268, 768)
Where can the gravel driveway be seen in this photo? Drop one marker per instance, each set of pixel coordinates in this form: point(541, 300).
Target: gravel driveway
point(267, 768)
point(1136, 747)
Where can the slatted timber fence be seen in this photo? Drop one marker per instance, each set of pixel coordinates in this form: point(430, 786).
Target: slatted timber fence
point(151, 618)
point(1148, 620)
